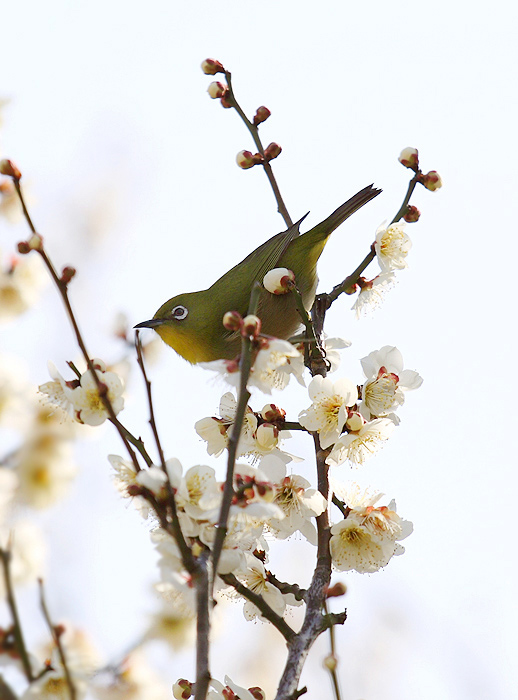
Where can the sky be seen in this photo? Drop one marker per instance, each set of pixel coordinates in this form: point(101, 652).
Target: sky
point(131, 174)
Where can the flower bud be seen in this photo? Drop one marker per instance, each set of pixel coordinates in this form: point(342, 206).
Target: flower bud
point(23, 248)
point(272, 413)
point(279, 280)
point(7, 167)
point(257, 693)
point(272, 151)
point(245, 159)
point(67, 274)
point(261, 115)
point(182, 689)
point(35, 242)
point(267, 435)
point(331, 662)
point(412, 214)
point(210, 66)
point(216, 90)
point(251, 325)
point(432, 180)
point(232, 321)
point(409, 157)
point(336, 590)
point(225, 103)
point(354, 422)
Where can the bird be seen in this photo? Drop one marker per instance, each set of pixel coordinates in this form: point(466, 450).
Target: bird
point(191, 323)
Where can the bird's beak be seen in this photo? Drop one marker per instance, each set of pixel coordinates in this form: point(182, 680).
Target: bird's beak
point(153, 323)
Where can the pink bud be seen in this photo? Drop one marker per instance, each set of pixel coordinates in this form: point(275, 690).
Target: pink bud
point(257, 693)
point(412, 214)
point(280, 280)
point(7, 167)
point(23, 248)
point(337, 590)
point(210, 66)
point(232, 320)
point(216, 90)
point(272, 151)
point(409, 157)
point(182, 689)
point(432, 180)
point(261, 115)
point(354, 422)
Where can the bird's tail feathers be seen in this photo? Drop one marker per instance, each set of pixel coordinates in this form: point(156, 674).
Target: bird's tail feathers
point(343, 212)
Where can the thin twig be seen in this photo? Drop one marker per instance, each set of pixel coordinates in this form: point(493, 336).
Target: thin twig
point(266, 611)
point(254, 131)
point(57, 641)
point(245, 367)
point(5, 556)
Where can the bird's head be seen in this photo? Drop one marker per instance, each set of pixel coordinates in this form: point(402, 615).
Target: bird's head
point(186, 324)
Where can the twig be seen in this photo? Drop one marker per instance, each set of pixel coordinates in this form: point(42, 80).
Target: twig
point(187, 558)
point(57, 641)
point(266, 611)
point(5, 556)
point(202, 584)
point(245, 367)
point(63, 290)
point(254, 131)
point(332, 669)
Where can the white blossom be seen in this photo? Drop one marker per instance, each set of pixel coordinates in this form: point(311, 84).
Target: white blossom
point(20, 285)
point(328, 413)
point(372, 293)
point(392, 245)
point(358, 446)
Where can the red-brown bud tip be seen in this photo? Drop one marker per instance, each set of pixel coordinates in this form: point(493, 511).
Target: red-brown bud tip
point(338, 589)
point(257, 693)
point(23, 248)
point(272, 413)
point(352, 289)
point(251, 325)
point(272, 151)
point(7, 167)
point(432, 180)
point(261, 115)
point(232, 320)
point(412, 214)
point(67, 274)
point(409, 157)
point(210, 66)
point(216, 90)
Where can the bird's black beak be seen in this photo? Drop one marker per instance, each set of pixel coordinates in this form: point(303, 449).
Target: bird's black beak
point(153, 323)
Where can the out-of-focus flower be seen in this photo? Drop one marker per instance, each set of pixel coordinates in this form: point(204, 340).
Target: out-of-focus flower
point(27, 547)
point(134, 679)
point(173, 624)
point(372, 293)
point(10, 207)
point(359, 446)
point(392, 245)
point(20, 285)
point(328, 412)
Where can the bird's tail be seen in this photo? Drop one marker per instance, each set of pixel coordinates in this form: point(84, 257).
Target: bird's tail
point(326, 227)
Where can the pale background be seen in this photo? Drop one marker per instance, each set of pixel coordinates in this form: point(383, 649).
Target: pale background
point(132, 175)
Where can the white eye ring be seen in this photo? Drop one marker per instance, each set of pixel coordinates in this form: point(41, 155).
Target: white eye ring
point(179, 312)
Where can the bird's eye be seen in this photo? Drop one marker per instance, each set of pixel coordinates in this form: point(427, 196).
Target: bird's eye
point(179, 312)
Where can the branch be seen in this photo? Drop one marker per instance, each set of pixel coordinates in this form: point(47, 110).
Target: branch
point(56, 636)
point(254, 131)
point(5, 556)
point(266, 611)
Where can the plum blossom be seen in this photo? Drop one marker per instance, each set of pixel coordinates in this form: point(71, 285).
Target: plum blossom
point(368, 537)
point(328, 413)
point(358, 446)
point(386, 383)
point(372, 293)
point(392, 245)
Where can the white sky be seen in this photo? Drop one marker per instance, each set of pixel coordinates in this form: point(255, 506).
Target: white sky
point(132, 176)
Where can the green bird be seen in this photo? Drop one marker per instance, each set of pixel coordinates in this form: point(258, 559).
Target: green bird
point(191, 323)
